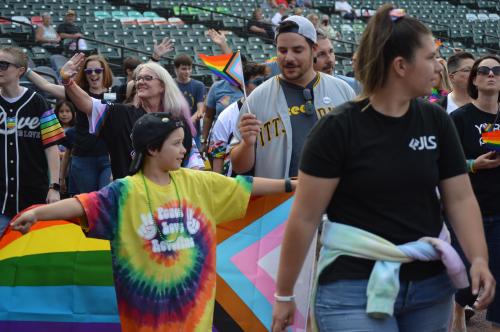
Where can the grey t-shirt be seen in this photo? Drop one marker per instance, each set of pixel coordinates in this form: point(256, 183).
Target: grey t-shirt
point(302, 117)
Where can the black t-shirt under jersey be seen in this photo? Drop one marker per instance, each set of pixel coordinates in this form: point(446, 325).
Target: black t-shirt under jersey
point(389, 169)
point(470, 122)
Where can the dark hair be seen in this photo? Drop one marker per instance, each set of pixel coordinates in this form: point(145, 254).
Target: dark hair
point(251, 69)
point(383, 40)
point(454, 61)
point(130, 63)
point(107, 75)
point(183, 60)
point(291, 26)
point(71, 107)
point(471, 88)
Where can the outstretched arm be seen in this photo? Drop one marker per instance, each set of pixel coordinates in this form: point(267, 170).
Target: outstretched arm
point(44, 85)
point(220, 40)
point(81, 100)
point(66, 209)
point(263, 186)
point(166, 46)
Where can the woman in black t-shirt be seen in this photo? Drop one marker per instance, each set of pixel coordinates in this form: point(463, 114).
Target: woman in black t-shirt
point(471, 120)
point(373, 166)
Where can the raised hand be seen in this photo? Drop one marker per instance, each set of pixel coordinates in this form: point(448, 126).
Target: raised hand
point(162, 48)
point(217, 37)
point(24, 222)
point(72, 66)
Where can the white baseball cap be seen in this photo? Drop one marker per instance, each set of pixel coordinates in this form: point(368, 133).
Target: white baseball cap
point(305, 27)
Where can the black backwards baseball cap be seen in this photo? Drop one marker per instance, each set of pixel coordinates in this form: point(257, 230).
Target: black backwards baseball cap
point(149, 129)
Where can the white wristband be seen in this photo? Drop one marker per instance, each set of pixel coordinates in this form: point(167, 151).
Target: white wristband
point(279, 298)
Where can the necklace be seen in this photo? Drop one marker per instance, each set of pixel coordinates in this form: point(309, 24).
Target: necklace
point(180, 215)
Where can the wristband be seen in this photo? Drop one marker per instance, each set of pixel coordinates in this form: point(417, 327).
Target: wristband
point(470, 166)
point(68, 83)
point(153, 59)
point(279, 298)
point(288, 185)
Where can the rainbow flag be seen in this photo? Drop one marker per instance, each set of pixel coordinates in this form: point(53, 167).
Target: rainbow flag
point(492, 140)
point(54, 279)
point(227, 67)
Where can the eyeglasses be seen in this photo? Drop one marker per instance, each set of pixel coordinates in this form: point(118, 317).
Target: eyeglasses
point(89, 71)
point(258, 81)
point(483, 70)
point(463, 70)
point(147, 78)
point(310, 110)
point(4, 65)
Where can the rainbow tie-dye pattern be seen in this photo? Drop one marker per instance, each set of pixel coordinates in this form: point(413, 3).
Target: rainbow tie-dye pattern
point(492, 140)
point(165, 282)
point(50, 128)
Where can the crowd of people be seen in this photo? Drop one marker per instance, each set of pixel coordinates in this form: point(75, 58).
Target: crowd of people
point(393, 157)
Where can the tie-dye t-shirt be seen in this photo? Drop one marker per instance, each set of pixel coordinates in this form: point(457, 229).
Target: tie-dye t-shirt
point(165, 282)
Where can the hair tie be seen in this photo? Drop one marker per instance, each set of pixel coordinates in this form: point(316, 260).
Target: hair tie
point(396, 14)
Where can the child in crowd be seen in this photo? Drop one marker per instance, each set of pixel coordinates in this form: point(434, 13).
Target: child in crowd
point(66, 114)
point(161, 223)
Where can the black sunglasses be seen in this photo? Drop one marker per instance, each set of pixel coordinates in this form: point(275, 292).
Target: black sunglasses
point(309, 102)
point(258, 81)
point(484, 70)
point(89, 71)
point(4, 65)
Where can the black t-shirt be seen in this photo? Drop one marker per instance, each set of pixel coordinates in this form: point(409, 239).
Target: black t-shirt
point(121, 92)
point(470, 122)
point(389, 169)
point(301, 121)
point(27, 128)
point(86, 144)
point(116, 129)
point(68, 28)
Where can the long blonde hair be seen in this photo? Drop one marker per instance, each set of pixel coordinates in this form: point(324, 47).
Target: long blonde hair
point(173, 101)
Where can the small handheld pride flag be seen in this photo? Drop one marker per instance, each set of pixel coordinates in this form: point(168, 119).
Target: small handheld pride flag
point(226, 66)
point(491, 137)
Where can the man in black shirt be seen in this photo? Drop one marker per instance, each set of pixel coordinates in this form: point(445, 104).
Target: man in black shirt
point(69, 30)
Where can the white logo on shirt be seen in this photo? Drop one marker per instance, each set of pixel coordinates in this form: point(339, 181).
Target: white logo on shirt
point(178, 234)
point(423, 143)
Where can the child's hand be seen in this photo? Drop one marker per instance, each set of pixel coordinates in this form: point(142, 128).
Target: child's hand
point(24, 222)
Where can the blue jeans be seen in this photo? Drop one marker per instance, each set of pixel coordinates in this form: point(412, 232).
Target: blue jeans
point(89, 174)
point(424, 305)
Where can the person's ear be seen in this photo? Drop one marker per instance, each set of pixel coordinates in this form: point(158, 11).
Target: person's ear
point(400, 66)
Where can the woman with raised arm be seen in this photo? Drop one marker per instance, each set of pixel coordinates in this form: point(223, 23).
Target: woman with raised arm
point(373, 165)
point(156, 92)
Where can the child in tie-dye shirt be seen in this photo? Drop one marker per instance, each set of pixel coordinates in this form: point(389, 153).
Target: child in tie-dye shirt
point(161, 223)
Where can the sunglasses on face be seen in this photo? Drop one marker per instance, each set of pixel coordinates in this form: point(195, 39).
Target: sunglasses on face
point(147, 78)
point(257, 81)
point(483, 70)
point(89, 71)
point(4, 65)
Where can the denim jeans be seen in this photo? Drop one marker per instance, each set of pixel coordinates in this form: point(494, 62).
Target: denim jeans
point(89, 174)
point(424, 305)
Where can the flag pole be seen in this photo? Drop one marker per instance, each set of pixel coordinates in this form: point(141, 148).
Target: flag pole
point(244, 83)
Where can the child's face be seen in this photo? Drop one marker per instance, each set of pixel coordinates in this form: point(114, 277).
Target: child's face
point(65, 116)
point(170, 156)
